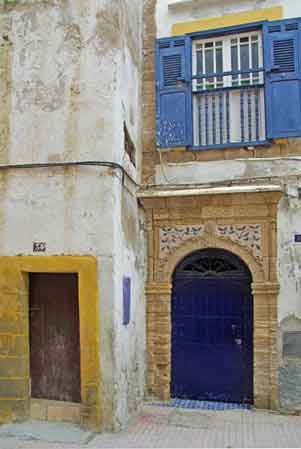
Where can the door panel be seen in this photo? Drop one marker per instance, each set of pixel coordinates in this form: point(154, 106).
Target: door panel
point(54, 337)
point(212, 339)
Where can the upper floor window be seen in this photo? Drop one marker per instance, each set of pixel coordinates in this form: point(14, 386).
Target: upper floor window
point(228, 94)
point(242, 52)
point(230, 89)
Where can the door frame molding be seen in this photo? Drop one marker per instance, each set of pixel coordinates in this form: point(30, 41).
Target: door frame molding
point(14, 332)
point(242, 223)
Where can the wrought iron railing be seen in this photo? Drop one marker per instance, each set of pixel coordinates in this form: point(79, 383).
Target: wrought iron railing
point(229, 109)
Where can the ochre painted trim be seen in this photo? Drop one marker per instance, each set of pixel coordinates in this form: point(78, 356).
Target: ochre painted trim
point(14, 315)
point(229, 20)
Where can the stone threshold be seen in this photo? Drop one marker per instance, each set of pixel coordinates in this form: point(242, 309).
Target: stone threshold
point(55, 411)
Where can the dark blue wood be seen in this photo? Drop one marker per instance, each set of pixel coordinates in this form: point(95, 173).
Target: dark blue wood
point(228, 115)
point(257, 93)
point(126, 300)
point(207, 118)
point(213, 119)
point(282, 51)
point(200, 119)
point(173, 92)
point(242, 114)
point(265, 143)
point(212, 336)
point(250, 114)
point(221, 127)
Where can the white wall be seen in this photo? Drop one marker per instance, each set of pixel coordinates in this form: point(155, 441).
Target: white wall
point(73, 75)
point(169, 12)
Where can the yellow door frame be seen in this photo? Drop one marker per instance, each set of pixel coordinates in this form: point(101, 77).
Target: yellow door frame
point(14, 333)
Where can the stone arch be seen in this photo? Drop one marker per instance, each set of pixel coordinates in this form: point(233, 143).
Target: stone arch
point(265, 293)
point(208, 240)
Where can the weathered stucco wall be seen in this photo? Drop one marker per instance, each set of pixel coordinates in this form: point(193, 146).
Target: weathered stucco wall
point(70, 76)
point(175, 168)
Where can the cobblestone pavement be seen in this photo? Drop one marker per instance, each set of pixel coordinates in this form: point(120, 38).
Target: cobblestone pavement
point(166, 428)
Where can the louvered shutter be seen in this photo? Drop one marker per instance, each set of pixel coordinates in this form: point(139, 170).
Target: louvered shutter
point(283, 78)
point(173, 92)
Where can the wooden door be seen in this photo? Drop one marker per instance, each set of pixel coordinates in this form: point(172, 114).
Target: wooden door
point(54, 337)
point(212, 324)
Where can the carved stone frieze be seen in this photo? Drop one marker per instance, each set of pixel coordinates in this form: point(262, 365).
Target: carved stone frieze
point(246, 235)
point(172, 237)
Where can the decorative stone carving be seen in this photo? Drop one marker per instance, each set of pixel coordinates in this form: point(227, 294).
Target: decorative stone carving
point(246, 235)
point(172, 237)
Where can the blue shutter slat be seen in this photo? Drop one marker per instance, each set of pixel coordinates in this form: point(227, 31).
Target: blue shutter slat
point(257, 94)
point(221, 129)
point(228, 115)
point(283, 78)
point(174, 96)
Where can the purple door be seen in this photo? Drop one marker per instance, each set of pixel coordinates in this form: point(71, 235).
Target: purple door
point(212, 327)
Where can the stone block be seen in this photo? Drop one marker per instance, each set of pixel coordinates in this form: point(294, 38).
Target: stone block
point(19, 345)
point(90, 395)
point(12, 323)
point(261, 401)
point(209, 155)
point(15, 388)
point(14, 367)
point(55, 413)
point(161, 214)
point(184, 203)
point(38, 409)
point(90, 418)
point(14, 410)
point(64, 412)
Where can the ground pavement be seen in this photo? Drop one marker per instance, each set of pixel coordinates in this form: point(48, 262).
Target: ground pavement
point(165, 427)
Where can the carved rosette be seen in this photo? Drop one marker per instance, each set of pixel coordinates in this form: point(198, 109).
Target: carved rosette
point(173, 237)
point(246, 235)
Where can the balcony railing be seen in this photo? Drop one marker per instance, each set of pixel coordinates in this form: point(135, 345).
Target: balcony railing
point(229, 109)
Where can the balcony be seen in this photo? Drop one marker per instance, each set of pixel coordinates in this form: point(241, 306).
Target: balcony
point(229, 109)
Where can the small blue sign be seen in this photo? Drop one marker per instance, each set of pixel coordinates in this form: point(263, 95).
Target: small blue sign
point(126, 300)
point(297, 238)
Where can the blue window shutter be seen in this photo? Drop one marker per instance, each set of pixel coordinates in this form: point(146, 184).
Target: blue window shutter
point(282, 47)
point(173, 92)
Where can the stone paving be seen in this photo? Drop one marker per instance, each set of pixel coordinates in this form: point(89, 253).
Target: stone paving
point(166, 427)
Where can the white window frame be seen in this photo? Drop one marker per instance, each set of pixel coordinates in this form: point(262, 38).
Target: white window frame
point(227, 63)
point(228, 82)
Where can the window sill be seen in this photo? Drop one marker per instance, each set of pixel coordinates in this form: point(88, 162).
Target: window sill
point(265, 143)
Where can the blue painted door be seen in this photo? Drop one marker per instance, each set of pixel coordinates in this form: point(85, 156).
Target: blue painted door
point(212, 350)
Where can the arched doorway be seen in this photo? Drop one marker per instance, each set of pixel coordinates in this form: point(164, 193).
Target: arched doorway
point(212, 328)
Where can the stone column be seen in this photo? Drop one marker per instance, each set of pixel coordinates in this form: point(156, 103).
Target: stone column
point(158, 340)
point(265, 345)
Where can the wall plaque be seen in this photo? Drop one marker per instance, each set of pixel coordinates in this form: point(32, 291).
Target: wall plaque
point(292, 344)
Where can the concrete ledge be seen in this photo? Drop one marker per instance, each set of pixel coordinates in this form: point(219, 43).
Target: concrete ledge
point(209, 191)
